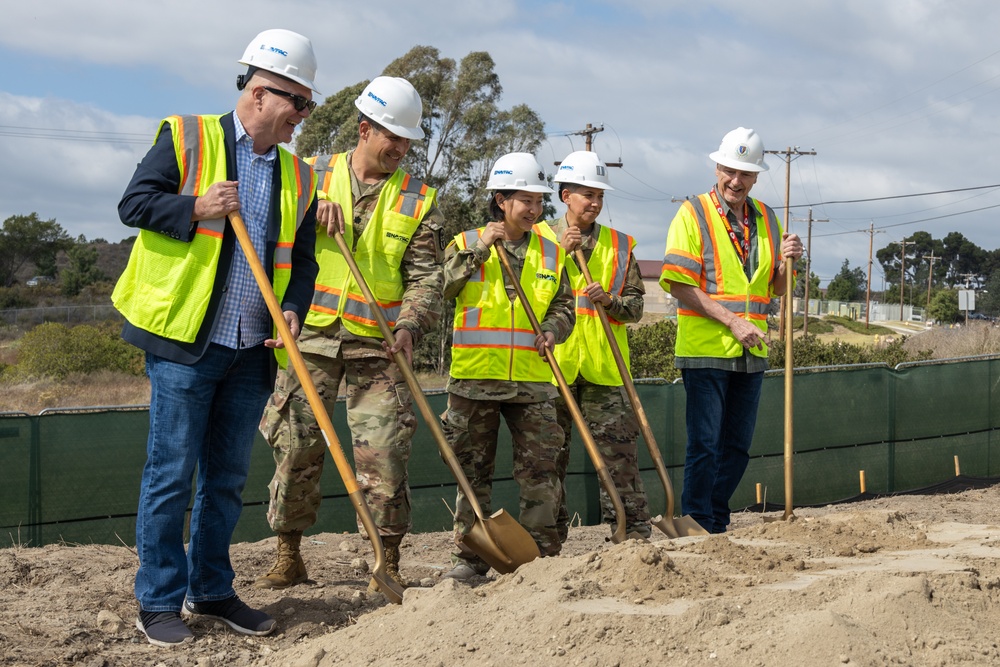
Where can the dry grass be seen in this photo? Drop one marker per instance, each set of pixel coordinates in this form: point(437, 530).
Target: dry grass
point(966, 341)
point(103, 388)
point(106, 388)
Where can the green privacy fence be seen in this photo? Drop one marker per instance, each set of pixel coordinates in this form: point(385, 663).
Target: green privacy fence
point(73, 475)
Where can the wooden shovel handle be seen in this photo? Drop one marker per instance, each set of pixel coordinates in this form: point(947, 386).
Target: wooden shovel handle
point(432, 420)
point(588, 440)
point(392, 590)
point(789, 372)
point(633, 395)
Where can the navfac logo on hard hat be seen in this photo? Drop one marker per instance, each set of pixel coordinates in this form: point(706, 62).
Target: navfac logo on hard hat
point(376, 98)
point(274, 49)
point(742, 150)
point(503, 172)
point(567, 167)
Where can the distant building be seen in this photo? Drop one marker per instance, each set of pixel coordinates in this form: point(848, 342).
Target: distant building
point(656, 300)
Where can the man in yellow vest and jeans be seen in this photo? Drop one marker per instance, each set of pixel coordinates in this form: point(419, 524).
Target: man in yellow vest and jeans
point(191, 302)
point(586, 358)
point(392, 224)
point(723, 264)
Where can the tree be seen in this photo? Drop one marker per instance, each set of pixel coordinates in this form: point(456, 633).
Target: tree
point(848, 285)
point(988, 301)
point(82, 269)
point(466, 130)
point(27, 239)
point(944, 306)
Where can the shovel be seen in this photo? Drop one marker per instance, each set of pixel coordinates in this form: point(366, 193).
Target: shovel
point(786, 315)
point(588, 440)
point(499, 540)
point(386, 585)
point(670, 526)
point(788, 391)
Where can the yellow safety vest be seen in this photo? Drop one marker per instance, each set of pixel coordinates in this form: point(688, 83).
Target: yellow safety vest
point(402, 205)
point(586, 351)
point(167, 284)
point(493, 338)
point(700, 252)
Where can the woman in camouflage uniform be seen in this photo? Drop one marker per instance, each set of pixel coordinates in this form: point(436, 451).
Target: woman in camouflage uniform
point(498, 362)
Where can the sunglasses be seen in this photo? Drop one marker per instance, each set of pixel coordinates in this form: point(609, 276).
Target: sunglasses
point(298, 101)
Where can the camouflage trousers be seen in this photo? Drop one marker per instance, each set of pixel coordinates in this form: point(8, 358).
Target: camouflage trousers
point(613, 425)
point(380, 416)
point(471, 427)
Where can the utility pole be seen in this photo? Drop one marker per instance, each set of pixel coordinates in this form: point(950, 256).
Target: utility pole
point(930, 274)
point(868, 286)
point(902, 274)
point(588, 134)
point(787, 156)
point(810, 220)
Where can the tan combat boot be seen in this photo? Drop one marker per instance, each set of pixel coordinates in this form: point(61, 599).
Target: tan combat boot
point(289, 569)
point(391, 546)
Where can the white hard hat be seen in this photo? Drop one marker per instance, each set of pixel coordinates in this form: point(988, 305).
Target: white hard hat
point(285, 53)
point(583, 168)
point(741, 149)
point(394, 104)
point(518, 171)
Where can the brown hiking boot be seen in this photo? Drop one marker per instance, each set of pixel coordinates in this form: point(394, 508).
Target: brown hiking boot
point(391, 564)
point(289, 569)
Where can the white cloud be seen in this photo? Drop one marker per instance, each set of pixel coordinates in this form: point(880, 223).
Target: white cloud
point(71, 171)
point(896, 97)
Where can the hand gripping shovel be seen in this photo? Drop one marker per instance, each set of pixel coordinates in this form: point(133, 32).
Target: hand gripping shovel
point(386, 585)
point(588, 440)
point(670, 526)
point(499, 540)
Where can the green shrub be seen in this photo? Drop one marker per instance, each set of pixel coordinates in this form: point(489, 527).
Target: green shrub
point(651, 348)
point(54, 350)
point(810, 351)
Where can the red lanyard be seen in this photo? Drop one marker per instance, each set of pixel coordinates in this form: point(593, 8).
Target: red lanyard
point(742, 247)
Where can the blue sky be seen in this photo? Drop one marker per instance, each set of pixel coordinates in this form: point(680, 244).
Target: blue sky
point(895, 96)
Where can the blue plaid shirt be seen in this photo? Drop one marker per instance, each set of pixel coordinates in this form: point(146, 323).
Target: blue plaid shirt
point(244, 321)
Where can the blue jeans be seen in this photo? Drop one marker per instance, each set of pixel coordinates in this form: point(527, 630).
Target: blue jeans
point(204, 415)
point(721, 414)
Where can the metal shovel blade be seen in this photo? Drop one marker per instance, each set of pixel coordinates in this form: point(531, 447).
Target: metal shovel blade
point(683, 526)
point(502, 542)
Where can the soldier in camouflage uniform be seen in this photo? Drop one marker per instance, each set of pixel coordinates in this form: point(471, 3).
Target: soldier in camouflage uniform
point(340, 341)
point(498, 368)
point(586, 358)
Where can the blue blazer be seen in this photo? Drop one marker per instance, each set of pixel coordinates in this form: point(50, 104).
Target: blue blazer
point(151, 202)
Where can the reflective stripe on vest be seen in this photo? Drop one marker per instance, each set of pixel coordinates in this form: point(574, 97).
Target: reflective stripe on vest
point(586, 352)
point(719, 273)
point(403, 203)
point(167, 285)
point(493, 338)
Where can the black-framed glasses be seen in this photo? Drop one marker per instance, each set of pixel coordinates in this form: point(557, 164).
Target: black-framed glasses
point(298, 101)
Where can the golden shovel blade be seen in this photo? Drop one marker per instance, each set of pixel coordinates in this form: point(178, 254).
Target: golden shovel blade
point(502, 542)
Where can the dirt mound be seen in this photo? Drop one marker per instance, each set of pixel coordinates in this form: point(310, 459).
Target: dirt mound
point(906, 580)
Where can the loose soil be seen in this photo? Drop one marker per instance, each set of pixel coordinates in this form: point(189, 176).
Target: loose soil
point(909, 580)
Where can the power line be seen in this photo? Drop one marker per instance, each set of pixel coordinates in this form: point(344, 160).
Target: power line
point(916, 194)
point(88, 136)
point(914, 222)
